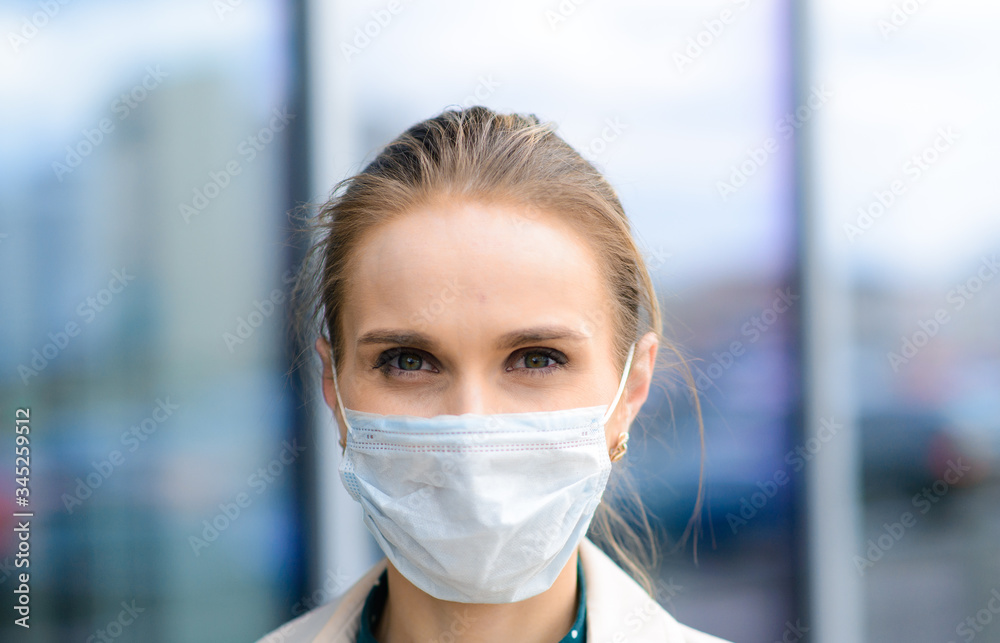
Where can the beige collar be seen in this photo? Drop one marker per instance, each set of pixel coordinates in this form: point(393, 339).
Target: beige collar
point(618, 610)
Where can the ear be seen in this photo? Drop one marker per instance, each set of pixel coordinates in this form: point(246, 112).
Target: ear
point(641, 376)
point(329, 392)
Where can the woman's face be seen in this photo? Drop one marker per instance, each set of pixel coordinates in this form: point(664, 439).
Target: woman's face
point(462, 307)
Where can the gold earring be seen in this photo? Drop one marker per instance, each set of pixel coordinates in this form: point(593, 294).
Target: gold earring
point(619, 451)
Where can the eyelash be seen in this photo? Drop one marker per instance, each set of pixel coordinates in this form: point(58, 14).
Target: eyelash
point(382, 363)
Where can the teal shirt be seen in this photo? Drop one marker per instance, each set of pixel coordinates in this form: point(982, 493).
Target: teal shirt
point(376, 602)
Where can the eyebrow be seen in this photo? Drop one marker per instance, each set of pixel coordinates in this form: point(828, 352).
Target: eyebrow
point(509, 340)
point(538, 334)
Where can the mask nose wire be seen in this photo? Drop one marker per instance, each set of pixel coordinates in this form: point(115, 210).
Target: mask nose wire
point(336, 388)
point(621, 385)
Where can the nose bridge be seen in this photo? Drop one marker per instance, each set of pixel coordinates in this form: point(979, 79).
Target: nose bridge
point(469, 392)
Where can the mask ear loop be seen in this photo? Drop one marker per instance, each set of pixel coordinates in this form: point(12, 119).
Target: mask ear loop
point(622, 446)
point(340, 403)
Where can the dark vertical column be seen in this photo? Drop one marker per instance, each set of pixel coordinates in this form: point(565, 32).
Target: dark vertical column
point(302, 576)
point(799, 85)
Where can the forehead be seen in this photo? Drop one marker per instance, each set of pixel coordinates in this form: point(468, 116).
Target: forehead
point(476, 269)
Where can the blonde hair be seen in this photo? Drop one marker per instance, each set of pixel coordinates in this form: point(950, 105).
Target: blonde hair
point(480, 155)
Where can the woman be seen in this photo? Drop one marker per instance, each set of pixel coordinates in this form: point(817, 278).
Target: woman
point(489, 332)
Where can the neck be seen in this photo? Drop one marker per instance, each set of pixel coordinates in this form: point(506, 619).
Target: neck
point(411, 615)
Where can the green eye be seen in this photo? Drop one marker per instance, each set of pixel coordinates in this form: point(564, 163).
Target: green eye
point(395, 360)
point(410, 362)
point(536, 360)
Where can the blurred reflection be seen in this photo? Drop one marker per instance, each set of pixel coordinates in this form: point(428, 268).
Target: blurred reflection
point(142, 191)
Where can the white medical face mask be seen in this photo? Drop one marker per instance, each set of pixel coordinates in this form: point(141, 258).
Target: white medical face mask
point(479, 508)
